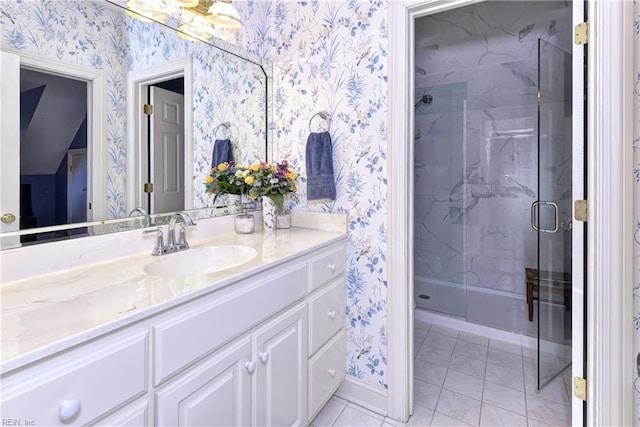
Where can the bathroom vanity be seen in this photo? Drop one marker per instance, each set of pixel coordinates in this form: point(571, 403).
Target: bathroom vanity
point(260, 344)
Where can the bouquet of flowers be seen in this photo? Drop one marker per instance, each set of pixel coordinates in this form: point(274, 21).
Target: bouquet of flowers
point(273, 181)
point(226, 178)
point(256, 181)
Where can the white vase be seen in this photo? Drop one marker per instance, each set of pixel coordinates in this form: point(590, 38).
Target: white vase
point(234, 200)
point(269, 210)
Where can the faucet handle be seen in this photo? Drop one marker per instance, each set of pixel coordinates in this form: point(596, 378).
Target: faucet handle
point(159, 249)
point(182, 240)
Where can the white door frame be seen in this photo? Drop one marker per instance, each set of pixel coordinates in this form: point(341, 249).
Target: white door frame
point(9, 131)
point(609, 168)
point(96, 142)
point(136, 96)
point(610, 362)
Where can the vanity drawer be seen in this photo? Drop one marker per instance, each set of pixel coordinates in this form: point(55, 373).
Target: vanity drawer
point(327, 314)
point(326, 373)
point(92, 380)
point(219, 317)
point(327, 267)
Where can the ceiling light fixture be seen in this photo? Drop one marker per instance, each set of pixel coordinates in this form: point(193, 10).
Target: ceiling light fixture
point(197, 20)
point(195, 28)
point(223, 14)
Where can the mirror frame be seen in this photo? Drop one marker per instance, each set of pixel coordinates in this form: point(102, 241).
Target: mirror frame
point(104, 226)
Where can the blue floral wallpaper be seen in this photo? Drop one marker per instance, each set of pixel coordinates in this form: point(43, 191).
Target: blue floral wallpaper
point(636, 202)
point(96, 35)
point(331, 56)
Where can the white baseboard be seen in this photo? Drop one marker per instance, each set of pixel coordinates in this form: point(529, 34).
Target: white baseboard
point(364, 394)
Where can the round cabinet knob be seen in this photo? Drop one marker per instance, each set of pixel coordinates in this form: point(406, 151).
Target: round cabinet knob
point(332, 315)
point(332, 267)
point(68, 409)
point(263, 356)
point(251, 366)
point(332, 372)
point(8, 218)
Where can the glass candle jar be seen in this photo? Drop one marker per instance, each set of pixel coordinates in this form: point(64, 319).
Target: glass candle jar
point(245, 224)
point(283, 219)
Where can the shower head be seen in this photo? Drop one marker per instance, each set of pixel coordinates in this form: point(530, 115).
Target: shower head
point(426, 98)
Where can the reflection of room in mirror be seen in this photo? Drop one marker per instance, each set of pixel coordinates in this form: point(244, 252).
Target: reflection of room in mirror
point(112, 45)
point(52, 185)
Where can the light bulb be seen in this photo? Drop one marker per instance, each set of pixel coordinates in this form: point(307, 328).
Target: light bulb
point(185, 3)
point(224, 14)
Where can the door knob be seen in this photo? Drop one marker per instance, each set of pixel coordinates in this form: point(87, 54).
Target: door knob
point(332, 315)
point(8, 218)
point(263, 356)
point(251, 366)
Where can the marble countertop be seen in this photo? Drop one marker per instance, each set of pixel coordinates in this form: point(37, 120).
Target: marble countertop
point(45, 314)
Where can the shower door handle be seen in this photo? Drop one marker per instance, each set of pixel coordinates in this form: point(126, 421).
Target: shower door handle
point(534, 219)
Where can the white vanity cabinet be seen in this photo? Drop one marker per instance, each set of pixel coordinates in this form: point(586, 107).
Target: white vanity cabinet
point(80, 386)
point(260, 379)
point(267, 350)
point(327, 317)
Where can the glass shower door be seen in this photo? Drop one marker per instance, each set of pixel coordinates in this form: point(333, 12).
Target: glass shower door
point(551, 213)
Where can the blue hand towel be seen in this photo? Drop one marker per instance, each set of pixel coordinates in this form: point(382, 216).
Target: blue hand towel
point(222, 152)
point(320, 184)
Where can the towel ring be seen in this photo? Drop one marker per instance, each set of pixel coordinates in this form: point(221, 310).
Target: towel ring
point(324, 115)
point(225, 125)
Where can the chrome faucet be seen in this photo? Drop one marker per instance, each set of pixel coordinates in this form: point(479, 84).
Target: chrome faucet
point(172, 245)
point(141, 211)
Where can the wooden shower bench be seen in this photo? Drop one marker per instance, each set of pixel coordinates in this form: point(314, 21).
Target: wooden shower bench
point(553, 282)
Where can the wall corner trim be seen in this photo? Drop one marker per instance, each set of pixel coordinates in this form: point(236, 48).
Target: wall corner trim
point(364, 394)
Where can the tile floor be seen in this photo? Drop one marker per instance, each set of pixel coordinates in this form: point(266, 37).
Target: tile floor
point(463, 379)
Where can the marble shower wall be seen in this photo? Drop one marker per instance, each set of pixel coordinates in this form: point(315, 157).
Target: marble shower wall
point(476, 143)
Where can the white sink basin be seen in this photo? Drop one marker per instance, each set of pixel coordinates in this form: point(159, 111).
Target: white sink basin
point(200, 260)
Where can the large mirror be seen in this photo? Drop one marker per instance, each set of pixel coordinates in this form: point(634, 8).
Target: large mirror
point(103, 112)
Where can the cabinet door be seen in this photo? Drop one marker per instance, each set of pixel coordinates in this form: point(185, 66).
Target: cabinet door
point(216, 393)
point(281, 375)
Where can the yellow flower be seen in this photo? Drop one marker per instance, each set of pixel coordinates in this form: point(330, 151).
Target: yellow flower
point(255, 167)
point(208, 179)
point(222, 167)
point(292, 175)
point(248, 180)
